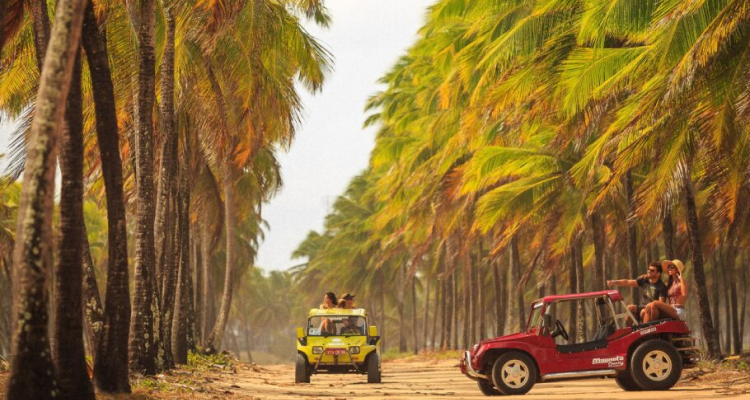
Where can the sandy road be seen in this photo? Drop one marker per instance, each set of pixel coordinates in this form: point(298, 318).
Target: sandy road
point(415, 379)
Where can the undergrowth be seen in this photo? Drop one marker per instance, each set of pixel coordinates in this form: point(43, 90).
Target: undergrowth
point(199, 361)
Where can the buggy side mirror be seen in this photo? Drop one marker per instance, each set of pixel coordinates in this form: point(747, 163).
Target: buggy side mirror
point(373, 330)
point(300, 332)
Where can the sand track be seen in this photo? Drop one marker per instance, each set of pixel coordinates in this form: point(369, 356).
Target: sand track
point(414, 378)
point(431, 379)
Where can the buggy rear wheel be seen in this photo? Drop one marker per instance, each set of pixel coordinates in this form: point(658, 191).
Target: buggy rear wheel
point(656, 365)
point(300, 370)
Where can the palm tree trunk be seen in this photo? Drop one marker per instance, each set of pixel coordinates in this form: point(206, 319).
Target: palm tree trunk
point(580, 288)
point(515, 273)
point(597, 231)
point(426, 315)
point(143, 327)
point(31, 364)
point(414, 327)
point(168, 161)
point(667, 229)
point(715, 285)
point(169, 285)
point(726, 345)
point(700, 277)
point(207, 311)
point(111, 369)
point(733, 298)
point(68, 354)
point(6, 301)
point(573, 285)
point(468, 296)
point(498, 306)
point(502, 299)
point(727, 307)
point(248, 339)
point(197, 261)
point(632, 233)
point(182, 296)
point(41, 28)
point(400, 305)
point(743, 301)
point(482, 332)
point(213, 343)
point(444, 305)
point(166, 206)
point(454, 310)
point(2, 24)
point(381, 295)
point(92, 302)
point(436, 312)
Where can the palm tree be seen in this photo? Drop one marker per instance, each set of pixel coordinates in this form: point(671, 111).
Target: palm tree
point(142, 353)
point(258, 100)
point(68, 353)
point(111, 335)
point(32, 360)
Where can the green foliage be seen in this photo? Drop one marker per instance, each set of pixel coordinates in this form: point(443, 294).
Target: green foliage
point(198, 360)
point(522, 119)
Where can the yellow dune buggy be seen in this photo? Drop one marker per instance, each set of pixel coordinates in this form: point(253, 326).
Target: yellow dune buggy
point(337, 341)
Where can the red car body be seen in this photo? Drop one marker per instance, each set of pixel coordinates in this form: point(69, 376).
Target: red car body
point(608, 356)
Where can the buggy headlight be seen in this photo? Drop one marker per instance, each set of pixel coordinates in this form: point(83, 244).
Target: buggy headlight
point(317, 349)
point(354, 349)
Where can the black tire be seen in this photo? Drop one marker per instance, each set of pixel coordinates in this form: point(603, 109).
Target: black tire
point(625, 381)
point(522, 366)
point(488, 389)
point(373, 369)
point(300, 370)
point(656, 365)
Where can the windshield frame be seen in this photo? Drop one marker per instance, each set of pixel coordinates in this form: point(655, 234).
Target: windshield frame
point(534, 316)
point(320, 318)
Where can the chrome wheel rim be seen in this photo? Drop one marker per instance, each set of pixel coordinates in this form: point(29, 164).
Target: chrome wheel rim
point(515, 374)
point(657, 365)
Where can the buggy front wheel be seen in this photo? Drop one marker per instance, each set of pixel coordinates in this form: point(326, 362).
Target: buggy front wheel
point(300, 370)
point(373, 369)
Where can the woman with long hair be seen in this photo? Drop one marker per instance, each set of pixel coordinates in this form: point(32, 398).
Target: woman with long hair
point(677, 291)
point(329, 302)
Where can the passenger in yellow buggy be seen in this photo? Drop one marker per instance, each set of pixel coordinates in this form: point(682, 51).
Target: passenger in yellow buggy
point(349, 298)
point(349, 327)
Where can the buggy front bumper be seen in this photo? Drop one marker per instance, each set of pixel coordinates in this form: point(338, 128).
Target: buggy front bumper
point(469, 370)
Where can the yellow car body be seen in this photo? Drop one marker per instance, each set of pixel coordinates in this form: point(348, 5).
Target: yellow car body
point(337, 341)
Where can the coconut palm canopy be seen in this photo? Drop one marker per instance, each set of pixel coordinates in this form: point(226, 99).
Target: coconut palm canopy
point(609, 129)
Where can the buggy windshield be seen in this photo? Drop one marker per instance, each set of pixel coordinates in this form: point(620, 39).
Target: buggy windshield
point(339, 325)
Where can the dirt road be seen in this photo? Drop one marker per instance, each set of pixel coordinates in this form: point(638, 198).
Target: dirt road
point(419, 379)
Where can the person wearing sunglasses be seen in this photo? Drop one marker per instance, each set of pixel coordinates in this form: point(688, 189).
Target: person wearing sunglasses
point(652, 288)
point(677, 291)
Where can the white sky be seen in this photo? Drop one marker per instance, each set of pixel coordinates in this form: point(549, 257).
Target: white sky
point(366, 38)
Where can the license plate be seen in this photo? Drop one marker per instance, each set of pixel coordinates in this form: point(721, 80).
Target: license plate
point(335, 352)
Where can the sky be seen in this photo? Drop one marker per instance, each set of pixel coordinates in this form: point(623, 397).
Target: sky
point(366, 38)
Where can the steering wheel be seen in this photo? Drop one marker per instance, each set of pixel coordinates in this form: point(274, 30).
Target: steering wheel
point(560, 330)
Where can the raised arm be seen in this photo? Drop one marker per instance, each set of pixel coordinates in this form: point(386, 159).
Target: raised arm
point(622, 282)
